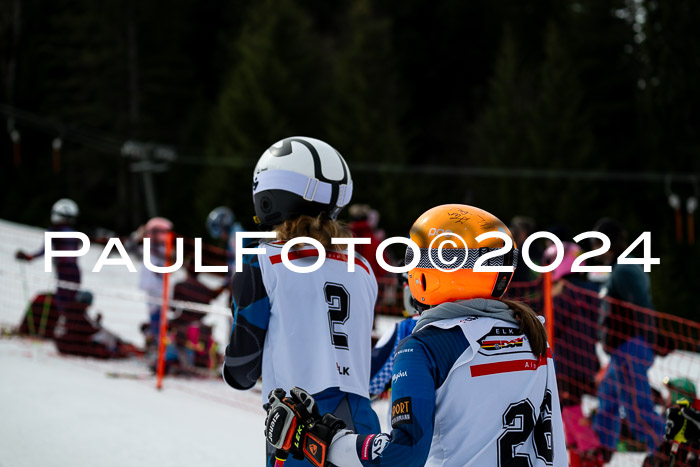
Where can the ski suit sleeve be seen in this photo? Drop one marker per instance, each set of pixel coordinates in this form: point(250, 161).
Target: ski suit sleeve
point(60, 244)
point(383, 356)
point(382, 362)
point(416, 376)
point(251, 315)
point(41, 251)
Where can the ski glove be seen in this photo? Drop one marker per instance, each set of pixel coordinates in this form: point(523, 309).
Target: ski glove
point(682, 424)
point(21, 255)
point(294, 426)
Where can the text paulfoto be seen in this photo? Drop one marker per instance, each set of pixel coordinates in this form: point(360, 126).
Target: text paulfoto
point(449, 242)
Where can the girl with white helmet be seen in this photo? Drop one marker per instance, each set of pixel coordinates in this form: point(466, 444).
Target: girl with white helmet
point(311, 329)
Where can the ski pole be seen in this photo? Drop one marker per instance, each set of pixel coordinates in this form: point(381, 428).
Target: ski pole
point(280, 457)
point(29, 314)
point(45, 314)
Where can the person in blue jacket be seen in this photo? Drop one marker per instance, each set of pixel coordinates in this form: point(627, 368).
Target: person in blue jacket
point(222, 225)
point(628, 332)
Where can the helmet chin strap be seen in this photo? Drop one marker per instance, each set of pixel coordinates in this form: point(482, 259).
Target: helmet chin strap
point(418, 306)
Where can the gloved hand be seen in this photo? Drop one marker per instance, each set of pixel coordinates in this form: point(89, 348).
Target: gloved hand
point(22, 256)
point(682, 424)
point(294, 425)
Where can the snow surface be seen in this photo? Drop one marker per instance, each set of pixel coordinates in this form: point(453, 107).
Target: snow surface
point(65, 411)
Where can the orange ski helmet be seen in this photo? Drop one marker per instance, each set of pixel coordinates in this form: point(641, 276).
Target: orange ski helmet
point(448, 275)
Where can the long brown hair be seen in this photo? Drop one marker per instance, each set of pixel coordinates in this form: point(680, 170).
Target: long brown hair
point(530, 326)
point(321, 228)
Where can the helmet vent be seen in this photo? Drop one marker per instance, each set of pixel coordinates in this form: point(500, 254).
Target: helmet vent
point(422, 281)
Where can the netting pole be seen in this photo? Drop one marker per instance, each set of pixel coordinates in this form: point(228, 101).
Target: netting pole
point(30, 311)
point(679, 226)
point(548, 306)
point(16, 151)
point(163, 315)
point(691, 229)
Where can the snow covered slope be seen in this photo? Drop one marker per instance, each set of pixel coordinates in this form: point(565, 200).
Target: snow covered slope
point(65, 411)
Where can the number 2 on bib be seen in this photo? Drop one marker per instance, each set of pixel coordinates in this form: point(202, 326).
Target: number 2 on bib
point(338, 300)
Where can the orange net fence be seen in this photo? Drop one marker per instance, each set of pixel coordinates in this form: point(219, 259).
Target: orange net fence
point(619, 366)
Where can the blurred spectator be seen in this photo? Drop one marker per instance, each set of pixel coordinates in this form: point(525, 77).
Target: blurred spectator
point(192, 290)
point(561, 231)
point(522, 227)
point(364, 223)
point(78, 334)
point(574, 327)
point(628, 335)
point(680, 388)
point(190, 347)
point(64, 214)
point(190, 344)
point(221, 225)
point(156, 229)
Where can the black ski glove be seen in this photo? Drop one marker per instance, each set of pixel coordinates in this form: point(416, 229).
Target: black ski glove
point(294, 426)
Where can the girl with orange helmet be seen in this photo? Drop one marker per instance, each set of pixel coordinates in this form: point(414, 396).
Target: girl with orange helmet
point(473, 385)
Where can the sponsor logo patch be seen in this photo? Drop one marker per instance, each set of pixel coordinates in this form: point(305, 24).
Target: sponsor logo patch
point(342, 371)
point(500, 338)
point(364, 453)
point(401, 412)
point(313, 449)
point(381, 441)
point(397, 376)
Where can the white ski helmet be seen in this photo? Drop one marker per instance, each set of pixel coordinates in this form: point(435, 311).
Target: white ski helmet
point(64, 211)
point(219, 221)
point(300, 175)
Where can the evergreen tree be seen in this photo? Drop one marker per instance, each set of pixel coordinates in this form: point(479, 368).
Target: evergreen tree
point(600, 41)
point(277, 87)
point(499, 137)
point(668, 48)
point(366, 106)
point(559, 133)
point(536, 120)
